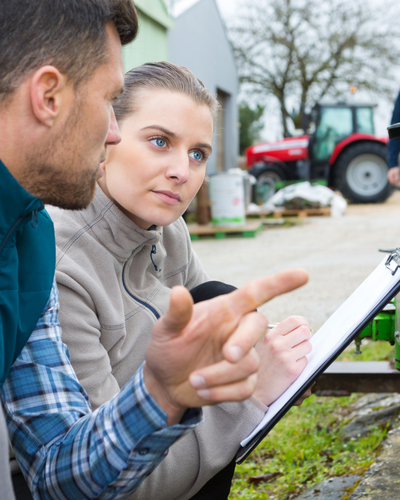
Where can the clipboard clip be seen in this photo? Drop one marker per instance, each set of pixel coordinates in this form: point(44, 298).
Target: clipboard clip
point(393, 261)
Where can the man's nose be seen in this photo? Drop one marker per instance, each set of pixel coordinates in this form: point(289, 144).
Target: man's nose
point(114, 135)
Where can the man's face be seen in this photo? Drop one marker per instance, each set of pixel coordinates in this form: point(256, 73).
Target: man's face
point(64, 172)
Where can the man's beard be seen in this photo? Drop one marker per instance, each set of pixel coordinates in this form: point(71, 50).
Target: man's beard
point(61, 189)
point(59, 173)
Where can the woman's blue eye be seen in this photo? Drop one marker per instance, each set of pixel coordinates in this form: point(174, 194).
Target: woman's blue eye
point(197, 155)
point(161, 143)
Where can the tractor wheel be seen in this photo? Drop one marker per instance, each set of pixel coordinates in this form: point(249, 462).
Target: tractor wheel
point(270, 175)
point(361, 173)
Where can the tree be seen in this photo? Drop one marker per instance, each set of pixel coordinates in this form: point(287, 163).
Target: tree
point(250, 125)
point(300, 51)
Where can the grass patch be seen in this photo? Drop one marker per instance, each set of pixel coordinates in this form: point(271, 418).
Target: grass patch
point(371, 350)
point(306, 447)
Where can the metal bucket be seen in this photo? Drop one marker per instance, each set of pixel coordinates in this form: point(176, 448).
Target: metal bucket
point(227, 200)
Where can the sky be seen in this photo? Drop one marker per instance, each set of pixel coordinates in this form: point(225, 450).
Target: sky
point(227, 7)
point(272, 128)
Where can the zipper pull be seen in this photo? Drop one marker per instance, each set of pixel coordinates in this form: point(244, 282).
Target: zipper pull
point(153, 252)
point(34, 219)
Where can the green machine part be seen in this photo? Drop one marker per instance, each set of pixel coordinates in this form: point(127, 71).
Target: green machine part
point(385, 326)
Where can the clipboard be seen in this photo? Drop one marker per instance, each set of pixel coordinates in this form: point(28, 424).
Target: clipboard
point(391, 265)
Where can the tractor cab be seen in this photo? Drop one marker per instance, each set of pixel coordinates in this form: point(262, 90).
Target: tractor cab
point(329, 125)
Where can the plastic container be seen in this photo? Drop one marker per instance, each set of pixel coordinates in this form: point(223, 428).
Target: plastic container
point(248, 183)
point(262, 192)
point(227, 200)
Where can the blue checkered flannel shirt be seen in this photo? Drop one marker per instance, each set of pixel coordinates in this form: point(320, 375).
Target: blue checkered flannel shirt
point(68, 451)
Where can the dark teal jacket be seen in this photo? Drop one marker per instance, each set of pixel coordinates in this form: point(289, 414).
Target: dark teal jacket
point(27, 264)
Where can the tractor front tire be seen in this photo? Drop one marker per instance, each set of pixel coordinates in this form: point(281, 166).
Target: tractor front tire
point(360, 173)
point(271, 174)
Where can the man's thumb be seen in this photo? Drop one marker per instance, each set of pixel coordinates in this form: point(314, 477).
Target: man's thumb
point(179, 311)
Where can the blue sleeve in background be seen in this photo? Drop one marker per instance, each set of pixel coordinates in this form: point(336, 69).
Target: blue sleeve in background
point(394, 144)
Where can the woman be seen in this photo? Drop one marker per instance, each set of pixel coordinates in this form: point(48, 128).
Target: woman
point(118, 260)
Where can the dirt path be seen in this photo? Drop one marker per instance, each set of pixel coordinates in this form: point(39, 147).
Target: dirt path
point(338, 253)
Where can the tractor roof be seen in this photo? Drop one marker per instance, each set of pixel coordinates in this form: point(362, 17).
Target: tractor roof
point(344, 104)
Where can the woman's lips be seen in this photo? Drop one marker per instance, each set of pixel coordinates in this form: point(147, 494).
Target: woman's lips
point(168, 197)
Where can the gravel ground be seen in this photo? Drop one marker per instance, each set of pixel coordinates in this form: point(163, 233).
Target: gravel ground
point(338, 254)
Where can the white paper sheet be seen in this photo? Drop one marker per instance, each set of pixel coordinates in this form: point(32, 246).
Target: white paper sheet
point(336, 330)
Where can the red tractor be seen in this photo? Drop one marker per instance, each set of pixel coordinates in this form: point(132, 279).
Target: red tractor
point(341, 147)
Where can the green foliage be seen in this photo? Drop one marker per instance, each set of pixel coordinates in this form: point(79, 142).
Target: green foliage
point(370, 351)
point(250, 125)
point(306, 447)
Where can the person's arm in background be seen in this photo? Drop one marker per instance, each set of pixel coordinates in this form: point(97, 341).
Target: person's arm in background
point(67, 451)
point(393, 148)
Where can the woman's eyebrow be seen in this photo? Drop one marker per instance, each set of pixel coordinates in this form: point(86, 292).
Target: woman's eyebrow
point(163, 130)
point(204, 145)
point(176, 136)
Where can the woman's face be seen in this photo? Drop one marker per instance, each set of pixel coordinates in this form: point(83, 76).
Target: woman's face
point(160, 163)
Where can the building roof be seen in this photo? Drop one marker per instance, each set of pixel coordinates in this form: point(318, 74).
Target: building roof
point(157, 10)
point(181, 6)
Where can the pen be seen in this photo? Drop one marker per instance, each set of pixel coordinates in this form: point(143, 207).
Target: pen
point(273, 326)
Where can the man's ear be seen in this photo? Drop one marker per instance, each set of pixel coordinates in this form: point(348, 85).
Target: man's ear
point(47, 85)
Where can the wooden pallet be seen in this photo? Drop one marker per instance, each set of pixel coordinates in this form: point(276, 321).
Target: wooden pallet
point(261, 214)
point(302, 212)
point(249, 230)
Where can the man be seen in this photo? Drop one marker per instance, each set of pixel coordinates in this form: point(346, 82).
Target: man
point(60, 69)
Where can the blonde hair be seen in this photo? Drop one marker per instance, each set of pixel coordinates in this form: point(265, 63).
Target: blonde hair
point(166, 76)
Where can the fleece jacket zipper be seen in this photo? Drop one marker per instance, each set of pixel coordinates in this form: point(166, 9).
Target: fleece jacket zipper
point(147, 306)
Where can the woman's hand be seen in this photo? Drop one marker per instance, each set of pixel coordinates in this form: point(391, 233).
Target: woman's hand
point(282, 355)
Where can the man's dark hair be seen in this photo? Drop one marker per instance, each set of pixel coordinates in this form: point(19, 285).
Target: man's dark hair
point(69, 34)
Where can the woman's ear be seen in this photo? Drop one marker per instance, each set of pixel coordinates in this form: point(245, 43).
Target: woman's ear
point(47, 94)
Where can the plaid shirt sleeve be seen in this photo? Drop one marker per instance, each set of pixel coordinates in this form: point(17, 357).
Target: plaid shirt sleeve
point(65, 450)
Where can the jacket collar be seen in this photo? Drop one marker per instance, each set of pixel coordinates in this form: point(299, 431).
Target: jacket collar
point(115, 230)
point(15, 201)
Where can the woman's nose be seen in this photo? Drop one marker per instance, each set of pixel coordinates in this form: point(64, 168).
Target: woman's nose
point(178, 170)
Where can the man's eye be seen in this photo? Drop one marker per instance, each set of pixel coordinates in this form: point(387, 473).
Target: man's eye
point(197, 155)
point(161, 143)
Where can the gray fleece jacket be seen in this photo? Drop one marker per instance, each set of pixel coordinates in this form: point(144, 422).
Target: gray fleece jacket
point(114, 280)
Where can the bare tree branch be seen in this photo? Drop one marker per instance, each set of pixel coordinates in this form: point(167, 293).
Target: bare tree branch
point(304, 50)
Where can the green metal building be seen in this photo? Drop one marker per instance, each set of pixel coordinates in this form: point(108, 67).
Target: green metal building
point(151, 43)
